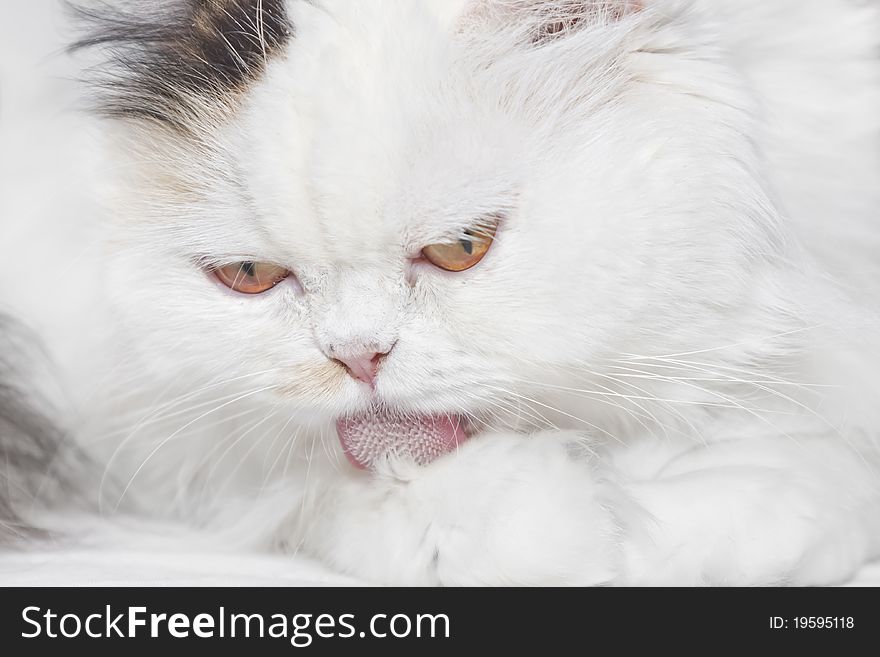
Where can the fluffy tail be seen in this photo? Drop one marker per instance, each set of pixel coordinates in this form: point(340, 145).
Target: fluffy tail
point(38, 467)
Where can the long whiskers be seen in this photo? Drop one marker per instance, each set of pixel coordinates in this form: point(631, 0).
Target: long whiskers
point(176, 433)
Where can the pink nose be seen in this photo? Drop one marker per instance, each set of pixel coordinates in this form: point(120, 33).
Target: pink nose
point(363, 367)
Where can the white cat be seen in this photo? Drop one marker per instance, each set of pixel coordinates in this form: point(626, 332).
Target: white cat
point(606, 272)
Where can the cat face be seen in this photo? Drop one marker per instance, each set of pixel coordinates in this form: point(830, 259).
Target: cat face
point(626, 214)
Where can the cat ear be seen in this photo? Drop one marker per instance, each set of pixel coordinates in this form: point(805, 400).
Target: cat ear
point(554, 19)
point(565, 17)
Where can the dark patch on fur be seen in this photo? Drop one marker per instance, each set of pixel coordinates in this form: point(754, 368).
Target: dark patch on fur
point(557, 29)
point(570, 15)
point(38, 468)
point(173, 61)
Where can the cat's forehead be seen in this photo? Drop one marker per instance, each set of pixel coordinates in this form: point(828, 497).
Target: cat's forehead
point(360, 65)
point(363, 140)
point(378, 17)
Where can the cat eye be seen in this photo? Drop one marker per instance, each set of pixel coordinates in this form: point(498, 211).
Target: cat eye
point(465, 252)
point(251, 277)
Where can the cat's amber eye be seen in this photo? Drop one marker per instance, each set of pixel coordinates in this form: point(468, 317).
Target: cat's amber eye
point(466, 251)
point(251, 277)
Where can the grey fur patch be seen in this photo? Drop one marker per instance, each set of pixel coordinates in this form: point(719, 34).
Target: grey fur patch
point(38, 468)
point(173, 62)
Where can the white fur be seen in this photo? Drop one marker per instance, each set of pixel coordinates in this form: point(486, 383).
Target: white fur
point(670, 350)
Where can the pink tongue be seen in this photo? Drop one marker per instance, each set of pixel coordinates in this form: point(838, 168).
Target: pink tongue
point(375, 434)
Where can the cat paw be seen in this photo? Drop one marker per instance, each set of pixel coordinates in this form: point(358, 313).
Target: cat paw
point(743, 527)
point(503, 510)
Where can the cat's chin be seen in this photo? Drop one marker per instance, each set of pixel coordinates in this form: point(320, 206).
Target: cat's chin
point(378, 433)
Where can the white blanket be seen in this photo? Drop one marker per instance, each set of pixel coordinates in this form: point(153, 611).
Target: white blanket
point(93, 567)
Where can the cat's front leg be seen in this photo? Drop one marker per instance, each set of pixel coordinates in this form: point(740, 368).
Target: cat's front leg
point(509, 509)
point(504, 509)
